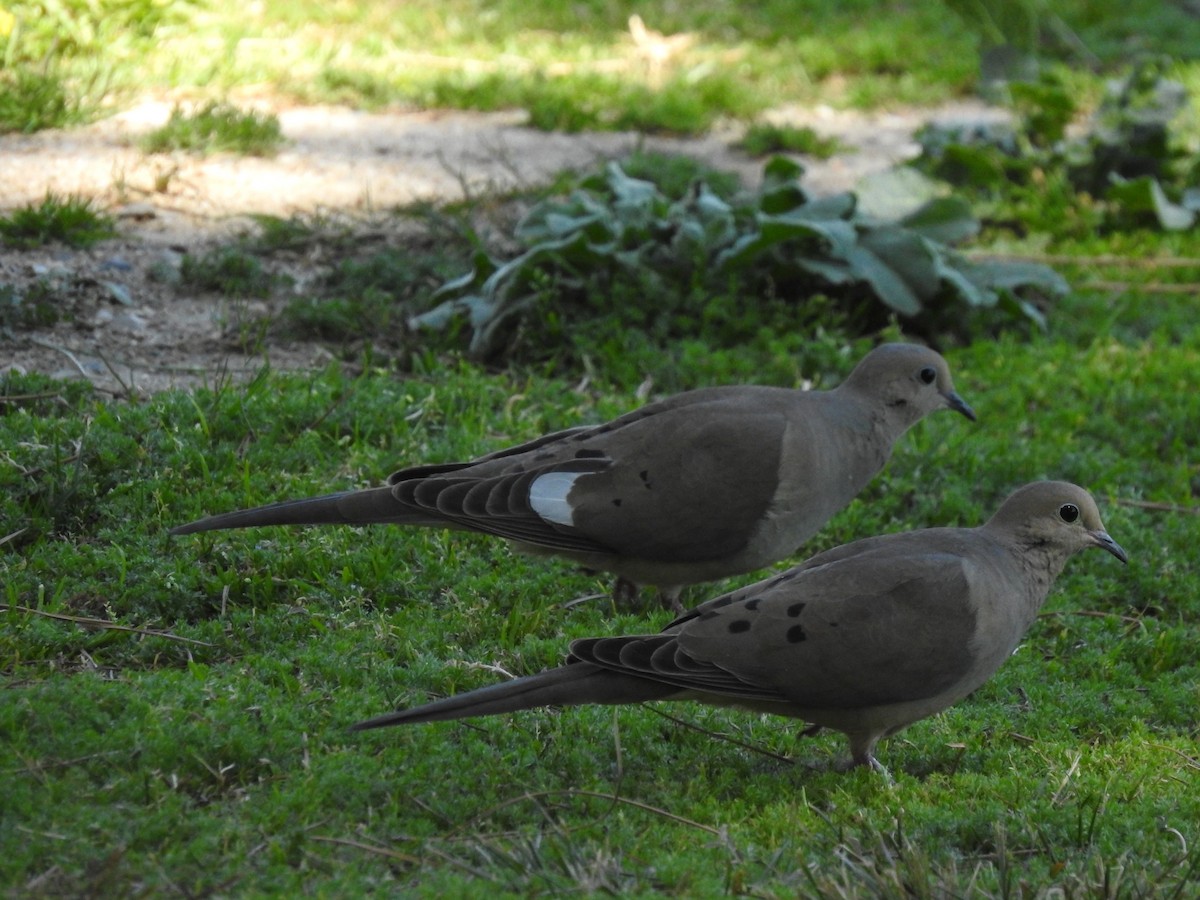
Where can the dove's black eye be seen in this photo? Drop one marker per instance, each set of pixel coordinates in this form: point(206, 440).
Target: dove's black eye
point(928, 375)
point(1069, 512)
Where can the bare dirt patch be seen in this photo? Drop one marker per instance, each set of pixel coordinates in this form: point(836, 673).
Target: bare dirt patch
point(131, 328)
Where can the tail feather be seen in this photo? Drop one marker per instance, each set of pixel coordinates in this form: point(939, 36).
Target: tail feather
point(571, 685)
point(369, 507)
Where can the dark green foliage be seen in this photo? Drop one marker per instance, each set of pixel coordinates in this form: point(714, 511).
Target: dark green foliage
point(674, 175)
point(622, 249)
point(1130, 134)
point(367, 296)
point(217, 127)
point(28, 309)
point(69, 219)
point(226, 270)
point(1127, 157)
point(333, 318)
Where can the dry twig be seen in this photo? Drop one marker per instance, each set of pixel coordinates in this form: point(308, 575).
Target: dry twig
point(88, 622)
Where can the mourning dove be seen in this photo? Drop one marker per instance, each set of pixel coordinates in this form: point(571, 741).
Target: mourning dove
point(865, 638)
point(699, 486)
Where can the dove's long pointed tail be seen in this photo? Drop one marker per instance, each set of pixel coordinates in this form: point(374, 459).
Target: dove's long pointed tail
point(369, 507)
point(571, 685)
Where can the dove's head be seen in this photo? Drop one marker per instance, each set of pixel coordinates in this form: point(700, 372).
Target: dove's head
point(910, 381)
point(1057, 515)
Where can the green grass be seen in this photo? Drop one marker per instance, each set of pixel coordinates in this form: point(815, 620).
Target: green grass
point(201, 747)
point(217, 127)
point(569, 66)
point(67, 219)
point(765, 138)
point(226, 270)
point(32, 100)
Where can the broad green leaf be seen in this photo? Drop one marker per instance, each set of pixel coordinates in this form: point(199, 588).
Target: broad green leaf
point(744, 250)
point(835, 206)
point(629, 191)
point(781, 170)
point(691, 232)
point(970, 292)
point(895, 193)
point(908, 255)
point(486, 334)
point(710, 205)
point(834, 271)
point(482, 268)
point(781, 190)
point(554, 225)
point(1019, 308)
point(836, 237)
point(947, 220)
point(476, 308)
point(1145, 195)
point(1003, 275)
point(885, 281)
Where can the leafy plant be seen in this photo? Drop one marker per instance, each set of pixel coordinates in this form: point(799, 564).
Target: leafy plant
point(622, 236)
point(70, 219)
point(217, 127)
point(1127, 154)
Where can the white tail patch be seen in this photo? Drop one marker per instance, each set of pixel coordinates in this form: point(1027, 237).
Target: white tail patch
point(548, 496)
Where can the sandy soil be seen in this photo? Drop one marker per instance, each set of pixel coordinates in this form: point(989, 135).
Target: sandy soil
point(132, 330)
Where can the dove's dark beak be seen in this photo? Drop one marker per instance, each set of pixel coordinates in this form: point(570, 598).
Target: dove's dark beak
point(1105, 542)
point(959, 405)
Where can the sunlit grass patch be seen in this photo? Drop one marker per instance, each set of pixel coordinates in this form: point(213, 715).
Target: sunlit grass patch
point(217, 127)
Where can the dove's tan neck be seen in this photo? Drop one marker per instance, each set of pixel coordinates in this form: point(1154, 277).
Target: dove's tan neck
point(1039, 562)
point(881, 422)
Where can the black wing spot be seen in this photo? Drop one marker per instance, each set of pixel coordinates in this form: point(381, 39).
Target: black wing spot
point(796, 634)
point(616, 501)
point(752, 604)
point(795, 609)
point(723, 601)
point(739, 626)
point(590, 453)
